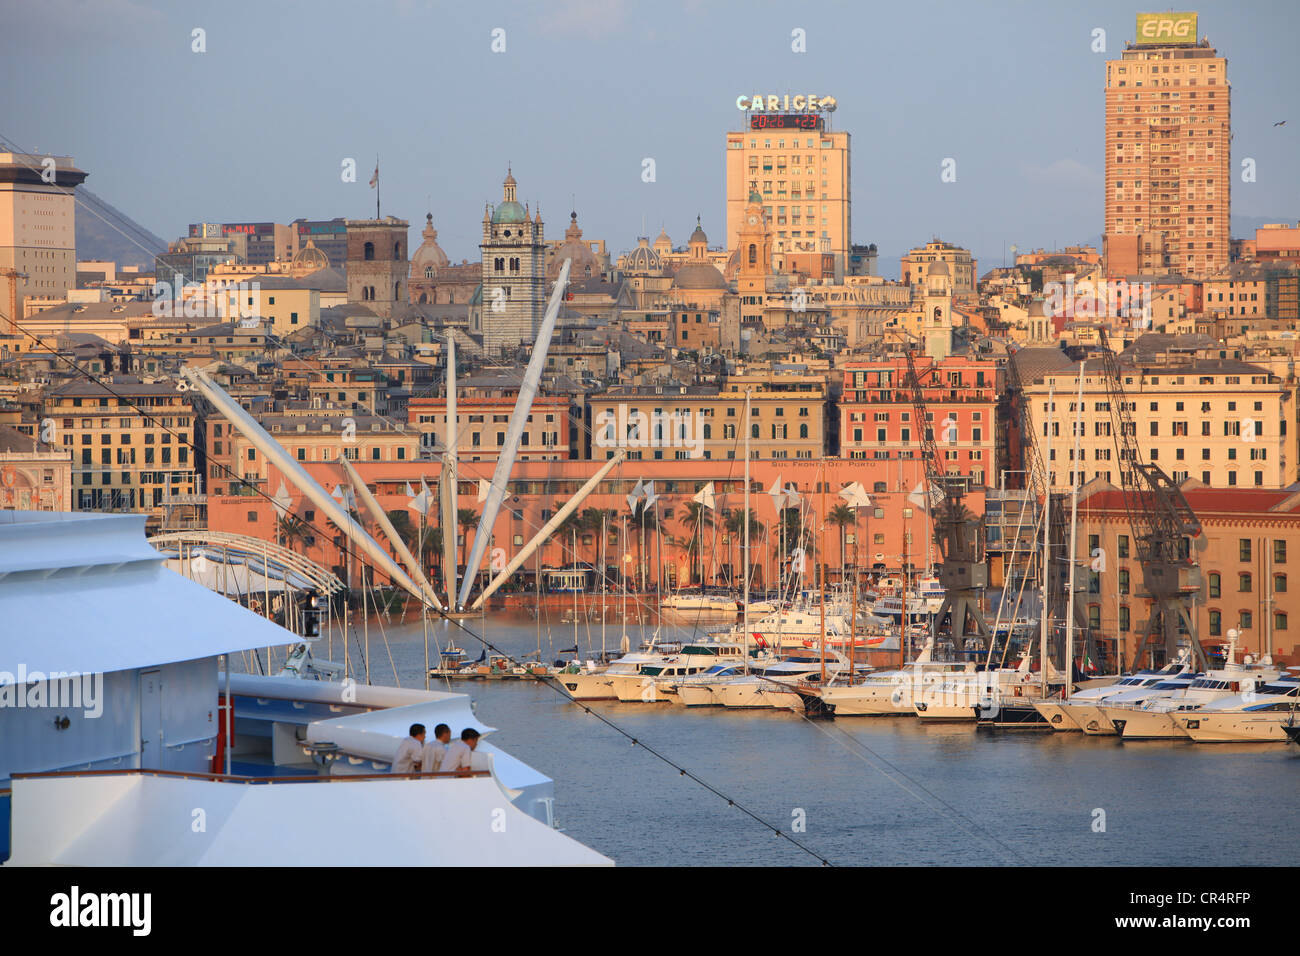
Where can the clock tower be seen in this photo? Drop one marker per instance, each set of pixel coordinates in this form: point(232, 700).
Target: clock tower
point(754, 254)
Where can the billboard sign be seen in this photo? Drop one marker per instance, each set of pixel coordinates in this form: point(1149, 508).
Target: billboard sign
point(1160, 28)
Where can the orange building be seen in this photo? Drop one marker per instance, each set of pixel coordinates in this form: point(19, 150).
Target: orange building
point(1168, 152)
point(889, 535)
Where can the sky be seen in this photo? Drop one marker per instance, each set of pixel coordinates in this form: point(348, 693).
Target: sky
point(257, 126)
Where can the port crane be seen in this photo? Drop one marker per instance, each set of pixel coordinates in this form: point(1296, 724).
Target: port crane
point(958, 534)
point(1163, 526)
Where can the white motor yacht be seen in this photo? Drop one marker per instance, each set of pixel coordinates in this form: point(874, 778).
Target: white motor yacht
point(1093, 719)
point(652, 682)
point(771, 686)
point(1079, 708)
point(1256, 716)
point(1154, 717)
point(886, 693)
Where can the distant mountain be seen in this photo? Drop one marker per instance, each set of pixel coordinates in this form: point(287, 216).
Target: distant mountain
point(105, 233)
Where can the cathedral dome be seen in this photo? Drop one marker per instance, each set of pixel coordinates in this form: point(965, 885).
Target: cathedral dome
point(938, 268)
point(585, 264)
point(430, 254)
point(643, 258)
point(508, 212)
point(309, 259)
point(699, 275)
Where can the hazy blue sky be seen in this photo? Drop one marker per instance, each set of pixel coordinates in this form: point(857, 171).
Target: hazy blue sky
point(256, 127)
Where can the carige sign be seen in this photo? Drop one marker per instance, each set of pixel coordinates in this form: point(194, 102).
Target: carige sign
point(1166, 28)
point(799, 103)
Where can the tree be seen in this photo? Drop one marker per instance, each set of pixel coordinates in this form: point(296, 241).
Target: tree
point(595, 521)
point(464, 518)
point(645, 520)
point(293, 530)
point(842, 515)
point(734, 523)
point(697, 517)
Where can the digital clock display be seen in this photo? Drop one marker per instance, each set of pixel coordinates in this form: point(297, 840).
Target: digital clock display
point(808, 121)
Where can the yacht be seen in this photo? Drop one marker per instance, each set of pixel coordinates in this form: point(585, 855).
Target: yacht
point(700, 602)
point(889, 693)
point(770, 686)
point(797, 628)
point(696, 690)
point(591, 681)
point(1079, 708)
point(1258, 716)
point(1093, 719)
point(958, 696)
point(1154, 718)
point(653, 681)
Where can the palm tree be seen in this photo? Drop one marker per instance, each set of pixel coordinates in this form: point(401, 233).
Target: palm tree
point(293, 530)
point(643, 519)
point(465, 517)
point(842, 515)
point(594, 521)
point(697, 517)
point(734, 524)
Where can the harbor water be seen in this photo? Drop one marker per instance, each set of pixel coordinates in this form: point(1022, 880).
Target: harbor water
point(860, 791)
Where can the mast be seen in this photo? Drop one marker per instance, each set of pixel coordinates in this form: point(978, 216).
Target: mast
point(821, 548)
point(449, 469)
point(744, 549)
point(1077, 480)
point(604, 563)
point(1047, 521)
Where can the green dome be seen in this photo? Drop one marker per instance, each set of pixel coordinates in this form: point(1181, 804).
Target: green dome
point(508, 211)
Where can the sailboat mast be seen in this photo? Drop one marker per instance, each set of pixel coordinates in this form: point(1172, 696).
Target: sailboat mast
point(744, 613)
point(821, 553)
point(1047, 522)
point(604, 565)
point(1076, 479)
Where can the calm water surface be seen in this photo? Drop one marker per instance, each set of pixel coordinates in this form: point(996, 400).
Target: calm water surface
point(884, 791)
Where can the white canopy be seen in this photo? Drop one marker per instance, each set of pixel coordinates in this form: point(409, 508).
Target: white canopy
point(86, 593)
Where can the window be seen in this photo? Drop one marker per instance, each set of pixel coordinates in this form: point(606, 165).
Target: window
point(1094, 616)
point(1123, 618)
point(1123, 580)
point(1121, 546)
point(1216, 623)
point(1216, 585)
point(1244, 582)
point(1279, 584)
point(1279, 621)
point(1246, 621)
point(1243, 548)
point(1279, 551)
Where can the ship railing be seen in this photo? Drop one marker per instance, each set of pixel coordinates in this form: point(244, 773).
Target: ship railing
point(240, 778)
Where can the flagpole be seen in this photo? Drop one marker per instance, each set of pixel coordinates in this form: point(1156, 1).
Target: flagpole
point(377, 216)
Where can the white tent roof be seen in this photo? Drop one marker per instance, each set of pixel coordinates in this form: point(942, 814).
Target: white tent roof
point(85, 593)
point(386, 822)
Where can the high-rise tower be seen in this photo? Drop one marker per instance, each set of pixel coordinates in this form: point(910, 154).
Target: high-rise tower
point(1168, 152)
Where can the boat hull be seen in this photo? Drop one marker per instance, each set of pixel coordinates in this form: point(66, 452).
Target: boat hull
point(1235, 728)
point(1056, 715)
point(1146, 724)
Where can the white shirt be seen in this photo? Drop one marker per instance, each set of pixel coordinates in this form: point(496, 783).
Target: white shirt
point(458, 756)
point(407, 758)
point(431, 757)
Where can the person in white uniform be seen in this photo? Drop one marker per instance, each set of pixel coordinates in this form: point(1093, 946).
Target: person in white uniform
point(435, 750)
point(407, 759)
point(460, 755)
